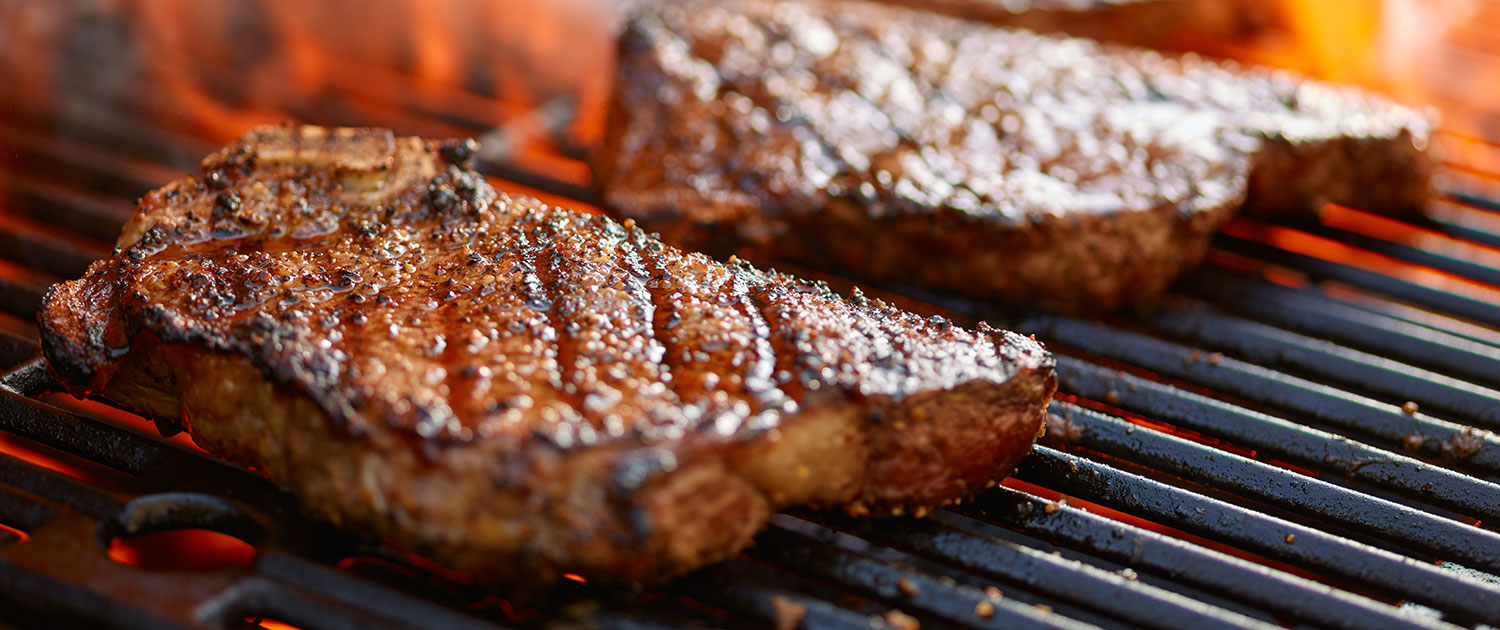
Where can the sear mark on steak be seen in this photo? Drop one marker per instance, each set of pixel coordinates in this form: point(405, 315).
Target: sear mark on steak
point(519, 390)
point(907, 147)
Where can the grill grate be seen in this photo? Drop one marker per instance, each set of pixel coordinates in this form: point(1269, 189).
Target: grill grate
point(1248, 457)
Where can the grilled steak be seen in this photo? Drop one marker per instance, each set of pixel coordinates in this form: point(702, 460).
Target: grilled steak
point(1160, 24)
point(911, 147)
point(514, 389)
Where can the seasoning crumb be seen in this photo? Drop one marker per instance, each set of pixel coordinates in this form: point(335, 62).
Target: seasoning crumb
point(1052, 507)
point(1410, 408)
point(907, 587)
point(1290, 539)
point(1129, 573)
point(901, 621)
point(1215, 357)
point(787, 612)
point(1111, 397)
point(984, 609)
point(1413, 442)
point(1043, 608)
point(993, 593)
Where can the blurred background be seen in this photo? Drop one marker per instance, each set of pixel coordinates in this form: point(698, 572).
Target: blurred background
point(540, 71)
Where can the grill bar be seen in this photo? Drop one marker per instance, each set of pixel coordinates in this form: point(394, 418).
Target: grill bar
point(292, 572)
point(1283, 439)
point(1443, 262)
point(957, 604)
point(1314, 314)
point(115, 447)
point(1279, 487)
point(1291, 352)
point(1466, 307)
point(59, 489)
point(1071, 581)
point(1288, 595)
point(1479, 450)
point(98, 218)
point(1267, 535)
point(752, 591)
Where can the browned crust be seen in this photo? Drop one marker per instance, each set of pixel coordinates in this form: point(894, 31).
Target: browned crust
point(1074, 263)
point(908, 457)
point(1160, 24)
point(1385, 175)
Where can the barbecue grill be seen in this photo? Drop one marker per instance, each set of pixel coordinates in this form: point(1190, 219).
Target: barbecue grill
point(1302, 436)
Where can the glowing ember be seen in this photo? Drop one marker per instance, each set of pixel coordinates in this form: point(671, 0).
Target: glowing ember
point(183, 550)
point(19, 535)
point(270, 624)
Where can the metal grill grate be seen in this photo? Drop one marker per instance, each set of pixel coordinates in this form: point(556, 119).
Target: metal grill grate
point(1300, 438)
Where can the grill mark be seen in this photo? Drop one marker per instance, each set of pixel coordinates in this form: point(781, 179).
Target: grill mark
point(534, 286)
point(875, 326)
point(658, 285)
point(641, 282)
point(607, 250)
point(765, 301)
point(762, 368)
point(553, 275)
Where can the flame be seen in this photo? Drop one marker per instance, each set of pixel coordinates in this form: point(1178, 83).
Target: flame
point(1433, 53)
point(217, 69)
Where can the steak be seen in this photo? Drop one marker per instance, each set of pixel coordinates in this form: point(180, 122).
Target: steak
point(907, 147)
point(1160, 24)
point(519, 390)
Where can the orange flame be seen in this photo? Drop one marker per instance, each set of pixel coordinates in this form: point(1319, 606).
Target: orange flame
point(1438, 53)
point(311, 61)
point(270, 624)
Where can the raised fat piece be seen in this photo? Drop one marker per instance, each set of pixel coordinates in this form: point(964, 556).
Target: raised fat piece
point(519, 390)
point(908, 147)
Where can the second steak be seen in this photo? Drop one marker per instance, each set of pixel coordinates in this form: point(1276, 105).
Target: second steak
point(907, 147)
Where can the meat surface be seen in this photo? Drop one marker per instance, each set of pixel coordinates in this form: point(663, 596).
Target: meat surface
point(907, 147)
point(1161, 24)
point(519, 390)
